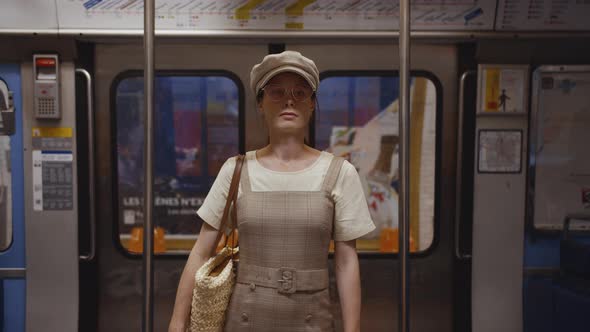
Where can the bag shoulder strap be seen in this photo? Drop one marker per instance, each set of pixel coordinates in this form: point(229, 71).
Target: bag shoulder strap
point(231, 197)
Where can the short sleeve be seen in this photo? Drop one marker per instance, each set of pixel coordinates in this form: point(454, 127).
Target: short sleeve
point(351, 219)
point(212, 209)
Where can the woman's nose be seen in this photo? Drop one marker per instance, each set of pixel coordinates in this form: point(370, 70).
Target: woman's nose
point(290, 101)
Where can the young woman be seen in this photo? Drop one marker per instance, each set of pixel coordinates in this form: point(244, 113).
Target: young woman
point(292, 200)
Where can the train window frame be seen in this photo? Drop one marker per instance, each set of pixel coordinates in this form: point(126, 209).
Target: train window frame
point(9, 206)
point(113, 142)
point(9, 192)
point(437, 154)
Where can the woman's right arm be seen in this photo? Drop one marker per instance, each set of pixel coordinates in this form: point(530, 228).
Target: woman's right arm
point(203, 249)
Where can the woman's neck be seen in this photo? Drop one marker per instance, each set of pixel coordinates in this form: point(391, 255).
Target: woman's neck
point(286, 148)
point(287, 156)
point(287, 152)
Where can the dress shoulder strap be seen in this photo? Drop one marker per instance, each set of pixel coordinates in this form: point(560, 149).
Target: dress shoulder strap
point(332, 174)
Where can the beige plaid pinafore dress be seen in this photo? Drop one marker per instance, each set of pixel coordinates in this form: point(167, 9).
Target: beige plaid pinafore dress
point(282, 281)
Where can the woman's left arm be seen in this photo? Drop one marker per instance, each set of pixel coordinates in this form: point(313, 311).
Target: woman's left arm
point(349, 283)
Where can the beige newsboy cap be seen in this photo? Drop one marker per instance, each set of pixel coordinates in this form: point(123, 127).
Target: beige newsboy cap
point(288, 61)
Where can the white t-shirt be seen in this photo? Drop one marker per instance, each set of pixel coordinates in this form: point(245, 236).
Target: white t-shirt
point(351, 219)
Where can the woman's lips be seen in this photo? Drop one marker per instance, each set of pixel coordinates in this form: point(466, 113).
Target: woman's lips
point(288, 114)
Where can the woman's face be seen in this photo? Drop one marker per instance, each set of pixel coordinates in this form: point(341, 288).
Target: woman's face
point(287, 103)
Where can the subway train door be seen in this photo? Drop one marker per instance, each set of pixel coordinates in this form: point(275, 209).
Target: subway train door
point(12, 241)
point(203, 115)
point(358, 119)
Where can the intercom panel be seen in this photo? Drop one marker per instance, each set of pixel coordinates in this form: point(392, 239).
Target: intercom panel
point(46, 82)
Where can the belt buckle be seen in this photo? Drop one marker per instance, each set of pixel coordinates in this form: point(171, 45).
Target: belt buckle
point(287, 281)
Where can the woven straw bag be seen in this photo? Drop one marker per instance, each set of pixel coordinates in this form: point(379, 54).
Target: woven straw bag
point(214, 280)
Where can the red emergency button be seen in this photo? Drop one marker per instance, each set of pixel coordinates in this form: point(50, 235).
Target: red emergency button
point(45, 62)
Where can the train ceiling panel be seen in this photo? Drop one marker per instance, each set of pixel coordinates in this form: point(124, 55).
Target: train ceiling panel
point(31, 15)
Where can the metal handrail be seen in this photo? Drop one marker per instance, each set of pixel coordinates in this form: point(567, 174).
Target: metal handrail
point(459, 176)
point(404, 164)
point(148, 228)
point(91, 172)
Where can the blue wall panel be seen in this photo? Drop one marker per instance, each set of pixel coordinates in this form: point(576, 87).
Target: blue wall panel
point(543, 252)
point(14, 290)
point(14, 305)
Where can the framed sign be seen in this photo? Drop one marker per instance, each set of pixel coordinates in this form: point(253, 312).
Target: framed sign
point(559, 162)
point(499, 151)
point(502, 89)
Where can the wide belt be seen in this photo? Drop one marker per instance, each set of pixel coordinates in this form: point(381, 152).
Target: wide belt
point(284, 279)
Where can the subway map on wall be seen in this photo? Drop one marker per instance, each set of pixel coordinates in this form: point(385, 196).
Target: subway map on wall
point(276, 14)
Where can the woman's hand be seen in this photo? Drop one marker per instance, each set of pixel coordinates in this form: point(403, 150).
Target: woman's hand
point(176, 326)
